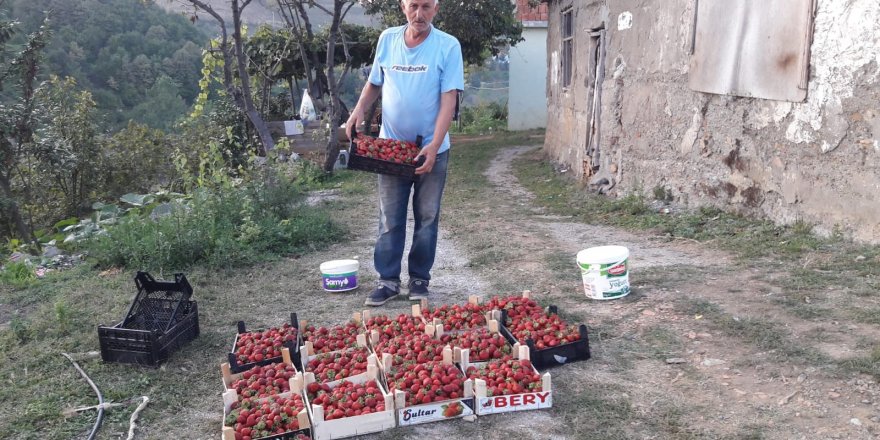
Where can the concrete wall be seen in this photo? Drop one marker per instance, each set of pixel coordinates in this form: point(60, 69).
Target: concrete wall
point(816, 161)
point(527, 99)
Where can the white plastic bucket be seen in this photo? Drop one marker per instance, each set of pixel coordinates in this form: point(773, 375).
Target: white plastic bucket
point(339, 275)
point(605, 271)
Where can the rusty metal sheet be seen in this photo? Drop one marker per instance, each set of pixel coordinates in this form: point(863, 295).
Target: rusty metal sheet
point(752, 48)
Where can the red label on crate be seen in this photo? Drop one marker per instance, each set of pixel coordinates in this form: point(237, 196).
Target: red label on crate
point(515, 402)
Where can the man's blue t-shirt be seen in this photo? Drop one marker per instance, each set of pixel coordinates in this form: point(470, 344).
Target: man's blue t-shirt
point(412, 80)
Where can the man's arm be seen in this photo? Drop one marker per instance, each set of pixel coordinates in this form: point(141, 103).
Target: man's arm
point(368, 96)
point(441, 127)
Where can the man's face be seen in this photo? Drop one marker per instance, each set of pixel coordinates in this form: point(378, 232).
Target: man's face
point(419, 13)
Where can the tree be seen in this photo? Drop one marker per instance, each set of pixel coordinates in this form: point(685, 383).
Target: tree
point(66, 142)
point(481, 26)
point(321, 53)
point(232, 52)
point(17, 121)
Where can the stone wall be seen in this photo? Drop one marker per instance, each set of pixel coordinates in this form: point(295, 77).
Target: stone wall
point(816, 161)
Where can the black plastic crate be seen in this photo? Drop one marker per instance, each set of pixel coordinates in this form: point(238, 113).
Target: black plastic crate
point(148, 347)
point(362, 163)
point(550, 357)
point(157, 304)
point(237, 367)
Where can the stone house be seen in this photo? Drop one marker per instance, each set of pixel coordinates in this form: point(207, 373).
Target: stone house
point(764, 107)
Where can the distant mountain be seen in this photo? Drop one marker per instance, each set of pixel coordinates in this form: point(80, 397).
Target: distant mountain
point(266, 11)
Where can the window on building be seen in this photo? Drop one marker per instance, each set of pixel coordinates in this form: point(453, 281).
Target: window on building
point(752, 48)
point(567, 47)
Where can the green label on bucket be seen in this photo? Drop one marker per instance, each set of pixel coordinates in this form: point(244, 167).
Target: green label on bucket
point(605, 281)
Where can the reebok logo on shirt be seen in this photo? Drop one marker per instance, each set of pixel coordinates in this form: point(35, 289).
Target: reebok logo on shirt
point(421, 68)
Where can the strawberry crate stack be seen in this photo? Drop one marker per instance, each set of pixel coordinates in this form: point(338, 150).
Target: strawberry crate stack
point(261, 401)
point(356, 405)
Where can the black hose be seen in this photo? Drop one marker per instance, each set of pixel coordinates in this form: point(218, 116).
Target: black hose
point(97, 391)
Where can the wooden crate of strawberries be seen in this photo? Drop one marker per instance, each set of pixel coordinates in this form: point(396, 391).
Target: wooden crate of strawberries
point(355, 406)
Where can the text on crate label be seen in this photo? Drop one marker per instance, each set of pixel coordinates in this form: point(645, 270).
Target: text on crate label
point(517, 400)
point(410, 414)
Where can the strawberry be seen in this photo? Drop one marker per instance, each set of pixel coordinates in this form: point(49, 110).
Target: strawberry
point(325, 340)
point(259, 345)
point(389, 150)
point(427, 382)
point(483, 345)
point(253, 418)
point(347, 399)
point(458, 317)
point(507, 376)
point(339, 365)
point(264, 381)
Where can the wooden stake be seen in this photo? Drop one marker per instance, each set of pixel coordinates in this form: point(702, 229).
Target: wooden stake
point(399, 399)
point(228, 433)
point(473, 299)
point(545, 386)
point(424, 303)
point(372, 368)
point(389, 402)
point(297, 383)
point(308, 348)
point(356, 316)
point(226, 372)
point(447, 355)
point(285, 356)
point(303, 419)
point(456, 354)
point(480, 388)
point(493, 326)
point(317, 413)
point(230, 396)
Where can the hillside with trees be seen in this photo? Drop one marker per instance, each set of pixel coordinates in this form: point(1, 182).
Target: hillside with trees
point(139, 62)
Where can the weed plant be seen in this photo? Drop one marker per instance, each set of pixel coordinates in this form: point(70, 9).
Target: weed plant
point(220, 228)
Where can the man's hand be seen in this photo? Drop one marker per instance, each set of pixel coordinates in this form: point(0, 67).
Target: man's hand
point(354, 120)
point(430, 155)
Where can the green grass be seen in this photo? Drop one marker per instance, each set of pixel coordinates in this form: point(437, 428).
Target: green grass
point(747, 238)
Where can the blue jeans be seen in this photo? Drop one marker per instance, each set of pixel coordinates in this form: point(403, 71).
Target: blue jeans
point(394, 193)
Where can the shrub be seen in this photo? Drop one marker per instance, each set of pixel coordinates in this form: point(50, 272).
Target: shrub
point(217, 227)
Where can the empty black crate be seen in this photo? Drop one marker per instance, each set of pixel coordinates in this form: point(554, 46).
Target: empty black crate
point(157, 305)
point(148, 347)
point(551, 356)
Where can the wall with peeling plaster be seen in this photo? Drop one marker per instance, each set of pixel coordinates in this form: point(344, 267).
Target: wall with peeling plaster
point(817, 161)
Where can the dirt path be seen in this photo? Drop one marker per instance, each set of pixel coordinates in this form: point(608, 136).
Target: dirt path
point(718, 385)
point(702, 348)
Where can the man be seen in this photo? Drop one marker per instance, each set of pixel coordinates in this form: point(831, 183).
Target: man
point(418, 70)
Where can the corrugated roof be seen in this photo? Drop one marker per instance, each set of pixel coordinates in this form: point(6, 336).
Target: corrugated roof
point(526, 13)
